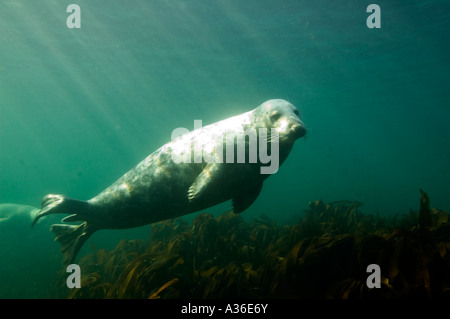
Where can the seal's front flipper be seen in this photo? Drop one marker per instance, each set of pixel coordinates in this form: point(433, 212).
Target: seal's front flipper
point(71, 238)
point(243, 200)
point(59, 204)
point(204, 181)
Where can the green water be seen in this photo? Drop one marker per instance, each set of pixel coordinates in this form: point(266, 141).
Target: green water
point(80, 107)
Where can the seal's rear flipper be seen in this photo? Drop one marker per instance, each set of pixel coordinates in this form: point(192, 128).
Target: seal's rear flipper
point(71, 238)
point(59, 204)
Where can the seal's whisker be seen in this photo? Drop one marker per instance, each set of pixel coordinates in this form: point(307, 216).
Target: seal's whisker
point(273, 138)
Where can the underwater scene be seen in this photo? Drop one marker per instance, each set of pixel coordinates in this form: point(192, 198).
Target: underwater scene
point(118, 178)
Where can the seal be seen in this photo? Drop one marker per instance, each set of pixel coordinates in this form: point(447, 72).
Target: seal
point(174, 180)
point(17, 213)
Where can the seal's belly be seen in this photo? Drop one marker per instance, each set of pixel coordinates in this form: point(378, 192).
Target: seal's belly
point(157, 189)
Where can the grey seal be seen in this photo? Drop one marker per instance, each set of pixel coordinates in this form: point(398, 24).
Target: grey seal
point(162, 186)
point(17, 213)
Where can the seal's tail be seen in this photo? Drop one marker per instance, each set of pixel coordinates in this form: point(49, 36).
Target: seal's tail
point(71, 237)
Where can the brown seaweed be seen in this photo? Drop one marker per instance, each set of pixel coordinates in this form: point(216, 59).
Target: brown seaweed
point(324, 255)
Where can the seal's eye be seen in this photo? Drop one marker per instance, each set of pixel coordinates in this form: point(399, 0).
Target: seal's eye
point(296, 112)
point(274, 116)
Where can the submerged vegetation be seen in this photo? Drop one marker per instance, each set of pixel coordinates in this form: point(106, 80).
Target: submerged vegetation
point(324, 255)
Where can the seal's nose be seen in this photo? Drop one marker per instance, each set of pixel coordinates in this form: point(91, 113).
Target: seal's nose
point(298, 130)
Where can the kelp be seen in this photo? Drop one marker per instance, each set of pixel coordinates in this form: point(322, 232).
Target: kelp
point(324, 255)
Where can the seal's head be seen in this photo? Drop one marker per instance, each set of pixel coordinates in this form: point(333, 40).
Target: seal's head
point(284, 118)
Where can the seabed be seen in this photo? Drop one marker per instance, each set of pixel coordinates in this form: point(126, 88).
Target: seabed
point(324, 256)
